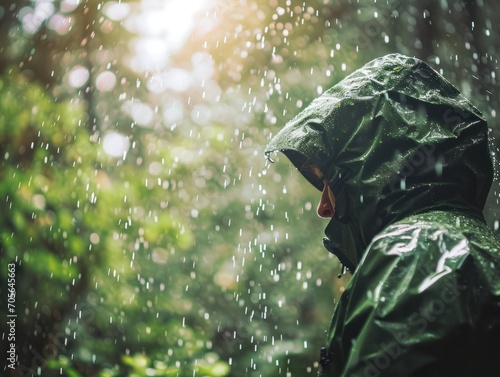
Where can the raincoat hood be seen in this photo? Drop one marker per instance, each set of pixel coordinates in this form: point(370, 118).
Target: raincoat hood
point(394, 139)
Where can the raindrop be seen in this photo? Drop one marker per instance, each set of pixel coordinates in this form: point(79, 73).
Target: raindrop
point(439, 168)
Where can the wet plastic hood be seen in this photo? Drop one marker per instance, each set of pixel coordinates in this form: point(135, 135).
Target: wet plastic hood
point(394, 139)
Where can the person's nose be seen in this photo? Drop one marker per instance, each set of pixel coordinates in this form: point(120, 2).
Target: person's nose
point(325, 207)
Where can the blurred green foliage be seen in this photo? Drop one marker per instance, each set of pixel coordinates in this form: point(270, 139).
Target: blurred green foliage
point(189, 255)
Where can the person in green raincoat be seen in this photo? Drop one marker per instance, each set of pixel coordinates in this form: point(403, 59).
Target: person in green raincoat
point(403, 163)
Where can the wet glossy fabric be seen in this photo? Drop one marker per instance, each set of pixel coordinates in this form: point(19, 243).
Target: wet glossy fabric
point(407, 158)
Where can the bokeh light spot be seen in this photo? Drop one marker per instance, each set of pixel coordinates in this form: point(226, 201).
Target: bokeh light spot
point(116, 11)
point(105, 81)
point(78, 76)
point(115, 144)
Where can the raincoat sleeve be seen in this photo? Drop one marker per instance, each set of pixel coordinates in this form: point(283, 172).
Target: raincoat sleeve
point(426, 313)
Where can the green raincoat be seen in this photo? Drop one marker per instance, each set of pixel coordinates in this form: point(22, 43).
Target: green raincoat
point(408, 160)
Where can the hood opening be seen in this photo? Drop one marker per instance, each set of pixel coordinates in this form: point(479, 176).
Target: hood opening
point(301, 162)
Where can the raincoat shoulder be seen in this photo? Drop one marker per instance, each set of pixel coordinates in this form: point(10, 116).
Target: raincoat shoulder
point(425, 301)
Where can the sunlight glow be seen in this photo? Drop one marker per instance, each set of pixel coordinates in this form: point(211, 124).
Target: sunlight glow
point(165, 27)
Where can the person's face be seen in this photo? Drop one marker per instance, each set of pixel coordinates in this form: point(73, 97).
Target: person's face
point(326, 205)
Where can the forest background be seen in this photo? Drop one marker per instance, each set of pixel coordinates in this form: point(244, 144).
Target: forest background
point(149, 235)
